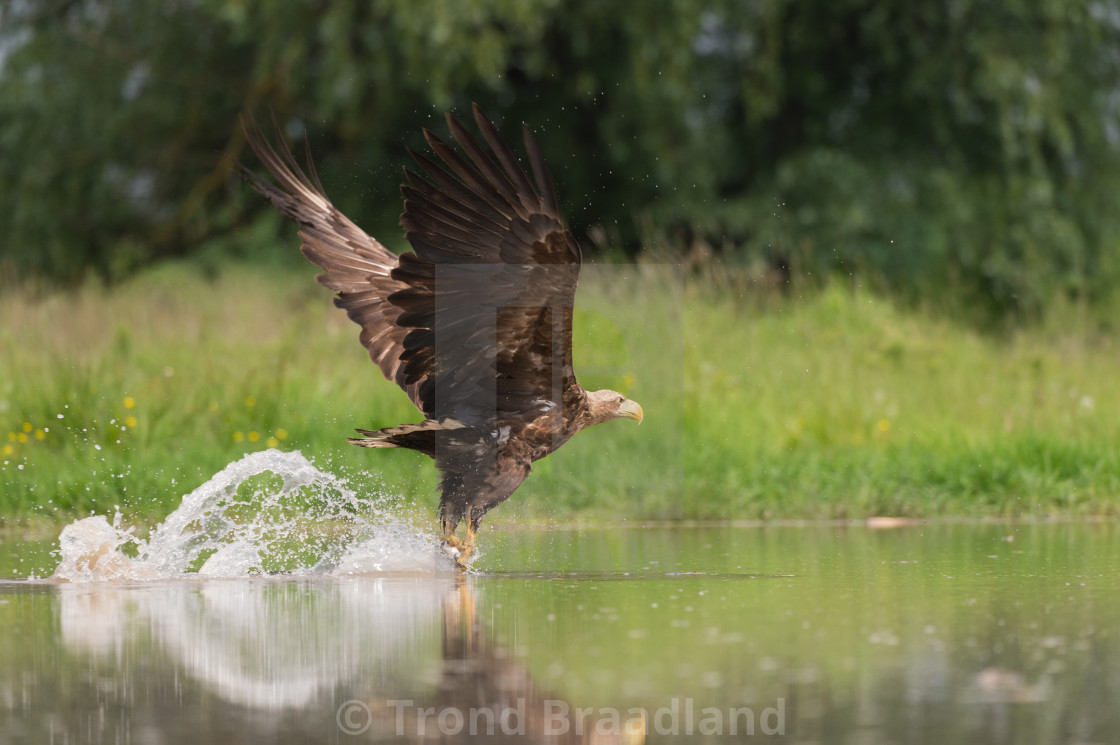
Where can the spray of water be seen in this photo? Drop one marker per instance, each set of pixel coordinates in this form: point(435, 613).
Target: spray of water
point(270, 512)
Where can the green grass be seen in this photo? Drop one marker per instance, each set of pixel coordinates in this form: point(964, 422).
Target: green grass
point(836, 404)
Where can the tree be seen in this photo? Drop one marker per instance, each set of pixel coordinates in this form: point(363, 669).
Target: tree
point(923, 144)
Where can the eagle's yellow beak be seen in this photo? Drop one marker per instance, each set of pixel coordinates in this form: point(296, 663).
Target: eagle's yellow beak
point(630, 410)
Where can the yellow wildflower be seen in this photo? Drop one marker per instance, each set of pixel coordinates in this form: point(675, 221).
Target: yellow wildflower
point(27, 426)
point(254, 436)
point(130, 421)
point(272, 442)
point(40, 434)
point(22, 437)
point(239, 436)
point(884, 425)
point(250, 401)
point(129, 402)
point(8, 450)
point(281, 434)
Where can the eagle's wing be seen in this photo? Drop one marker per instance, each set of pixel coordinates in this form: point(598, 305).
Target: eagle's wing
point(491, 284)
point(477, 323)
point(354, 265)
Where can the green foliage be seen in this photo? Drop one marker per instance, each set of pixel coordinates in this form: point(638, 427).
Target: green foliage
point(928, 146)
point(921, 145)
point(838, 405)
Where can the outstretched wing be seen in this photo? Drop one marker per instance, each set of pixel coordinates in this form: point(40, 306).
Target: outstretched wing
point(354, 265)
point(476, 324)
point(491, 284)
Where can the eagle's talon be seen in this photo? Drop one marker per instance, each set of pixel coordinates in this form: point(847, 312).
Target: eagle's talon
point(460, 549)
point(464, 557)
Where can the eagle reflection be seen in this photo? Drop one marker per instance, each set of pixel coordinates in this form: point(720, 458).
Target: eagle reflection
point(484, 693)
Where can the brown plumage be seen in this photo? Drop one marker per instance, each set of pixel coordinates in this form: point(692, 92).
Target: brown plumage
point(475, 324)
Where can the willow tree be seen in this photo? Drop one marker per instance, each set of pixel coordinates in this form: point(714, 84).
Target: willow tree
point(925, 145)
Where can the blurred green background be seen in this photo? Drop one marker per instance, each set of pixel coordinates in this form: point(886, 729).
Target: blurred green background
point(926, 146)
point(886, 235)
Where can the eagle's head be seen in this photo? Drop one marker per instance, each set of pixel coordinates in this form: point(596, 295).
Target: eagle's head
point(605, 405)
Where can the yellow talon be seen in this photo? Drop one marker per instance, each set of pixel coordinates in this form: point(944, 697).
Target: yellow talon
point(465, 547)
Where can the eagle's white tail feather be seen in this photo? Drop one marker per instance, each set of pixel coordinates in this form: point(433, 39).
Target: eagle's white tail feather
point(380, 438)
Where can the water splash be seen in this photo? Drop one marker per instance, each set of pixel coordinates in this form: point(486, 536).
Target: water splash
point(270, 512)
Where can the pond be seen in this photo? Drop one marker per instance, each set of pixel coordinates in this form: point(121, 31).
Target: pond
point(933, 633)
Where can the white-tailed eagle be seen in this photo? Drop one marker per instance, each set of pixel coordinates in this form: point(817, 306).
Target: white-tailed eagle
point(475, 324)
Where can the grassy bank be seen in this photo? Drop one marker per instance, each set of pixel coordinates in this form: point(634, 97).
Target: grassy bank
point(836, 404)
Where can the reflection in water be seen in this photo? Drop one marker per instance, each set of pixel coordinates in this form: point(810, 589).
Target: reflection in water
point(262, 643)
point(484, 690)
point(408, 656)
point(931, 634)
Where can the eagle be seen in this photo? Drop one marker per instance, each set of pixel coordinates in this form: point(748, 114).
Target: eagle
point(474, 324)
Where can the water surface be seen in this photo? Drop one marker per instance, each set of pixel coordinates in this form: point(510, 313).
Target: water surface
point(946, 633)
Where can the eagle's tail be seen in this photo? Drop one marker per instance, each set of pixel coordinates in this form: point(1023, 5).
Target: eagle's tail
point(419, 436)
